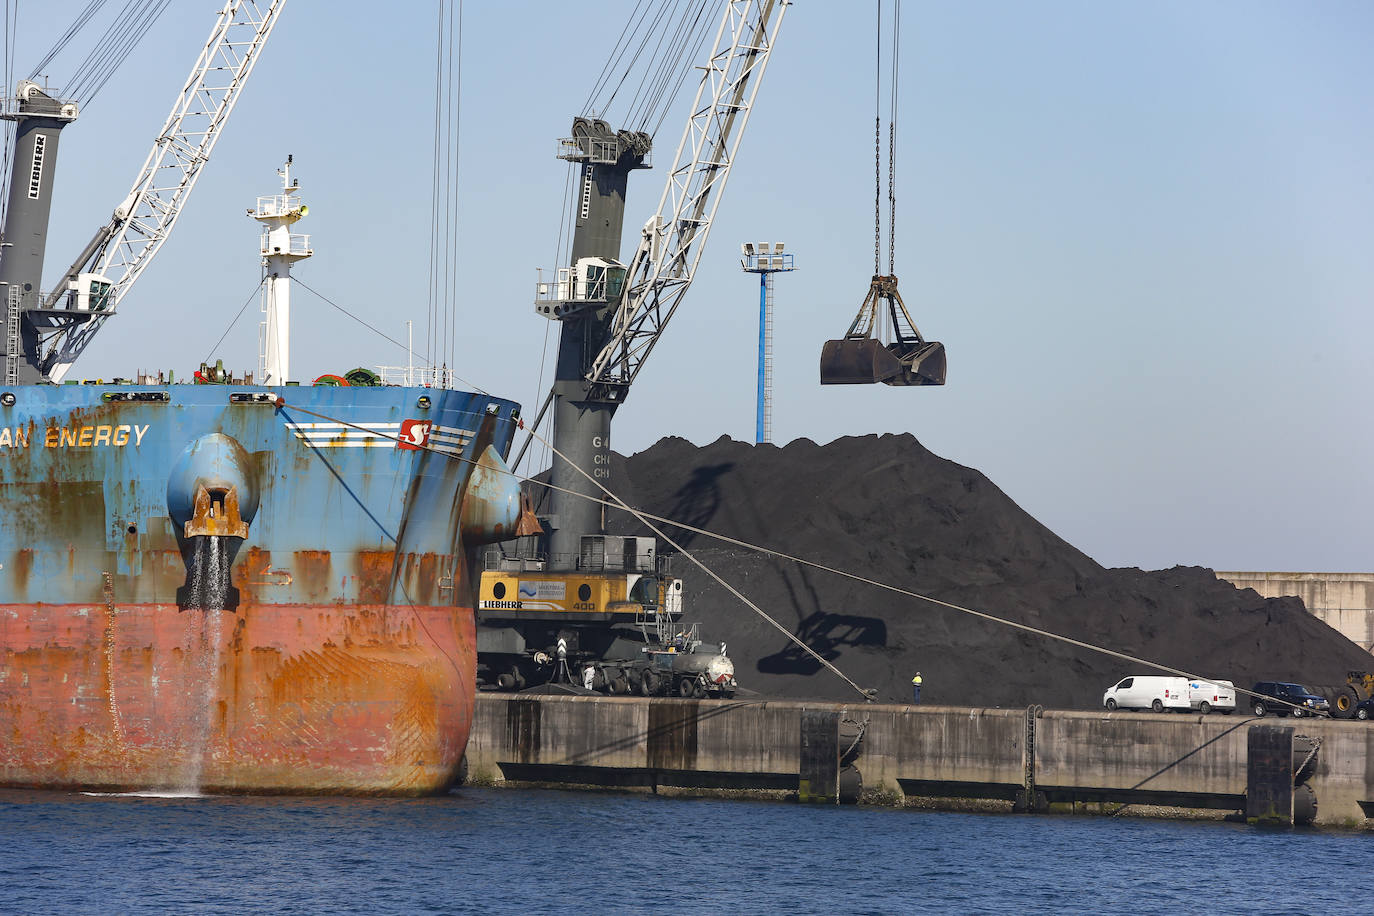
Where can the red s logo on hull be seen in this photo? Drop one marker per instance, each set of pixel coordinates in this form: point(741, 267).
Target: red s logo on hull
point(415, 434)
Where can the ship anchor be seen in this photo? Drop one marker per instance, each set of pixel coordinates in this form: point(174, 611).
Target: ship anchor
point(217, 514)
point(214, 523)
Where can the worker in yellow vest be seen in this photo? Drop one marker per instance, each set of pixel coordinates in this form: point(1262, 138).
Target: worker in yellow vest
point(916, 688)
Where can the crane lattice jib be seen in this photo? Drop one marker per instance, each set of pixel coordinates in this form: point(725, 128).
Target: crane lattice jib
point(672, 241)
point(147, 216)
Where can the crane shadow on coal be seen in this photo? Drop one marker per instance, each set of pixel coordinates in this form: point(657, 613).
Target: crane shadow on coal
point(697, 501)
point(827, 634)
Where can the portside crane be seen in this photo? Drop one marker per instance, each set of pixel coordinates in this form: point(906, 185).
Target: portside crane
point(613, 316)
point(53, 331)
point(596, 370)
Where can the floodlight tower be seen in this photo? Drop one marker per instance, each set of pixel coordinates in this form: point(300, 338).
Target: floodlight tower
point(765, 259)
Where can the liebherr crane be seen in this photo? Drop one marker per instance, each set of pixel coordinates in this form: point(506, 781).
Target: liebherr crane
point(612, 318)
point(596, 370)
point(48, 334)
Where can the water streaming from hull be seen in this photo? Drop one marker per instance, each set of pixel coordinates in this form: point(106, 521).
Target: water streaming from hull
point(201, 682)
point(208, 565)
point(208, 578)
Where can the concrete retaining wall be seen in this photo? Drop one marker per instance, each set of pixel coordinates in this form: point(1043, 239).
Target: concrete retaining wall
point(1343, 601)
point(928, 751)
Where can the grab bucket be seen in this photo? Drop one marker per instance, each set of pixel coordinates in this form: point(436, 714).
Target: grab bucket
point(866, 361)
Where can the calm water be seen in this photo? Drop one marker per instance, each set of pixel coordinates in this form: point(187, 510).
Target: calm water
point(504, 851)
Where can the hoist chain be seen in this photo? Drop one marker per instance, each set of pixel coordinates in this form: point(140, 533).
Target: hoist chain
point(891, 154)
point(891, 197)
point(877, 195)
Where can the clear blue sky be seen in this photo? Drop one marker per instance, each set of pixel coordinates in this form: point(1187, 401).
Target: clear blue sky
point(1143, 232)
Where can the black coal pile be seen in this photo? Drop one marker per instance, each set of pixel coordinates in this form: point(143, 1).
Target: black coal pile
point(886, 508)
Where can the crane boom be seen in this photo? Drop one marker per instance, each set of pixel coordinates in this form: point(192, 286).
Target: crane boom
point(121, 249)
point(673, 239)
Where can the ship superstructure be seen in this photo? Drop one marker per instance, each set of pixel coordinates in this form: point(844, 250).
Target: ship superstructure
point(281, 248)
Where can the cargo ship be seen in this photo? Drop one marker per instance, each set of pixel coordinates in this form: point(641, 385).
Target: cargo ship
point(221, 585)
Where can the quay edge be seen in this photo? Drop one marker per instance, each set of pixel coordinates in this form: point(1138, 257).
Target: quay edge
point(1186, 766)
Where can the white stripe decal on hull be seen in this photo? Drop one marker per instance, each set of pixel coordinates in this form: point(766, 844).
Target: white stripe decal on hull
point(446, 439)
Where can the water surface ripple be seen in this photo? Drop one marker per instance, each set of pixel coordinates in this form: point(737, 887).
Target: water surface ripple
point(506, 851)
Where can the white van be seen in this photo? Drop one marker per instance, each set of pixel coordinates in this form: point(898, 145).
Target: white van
point(1149, 692)
point(1205, 696)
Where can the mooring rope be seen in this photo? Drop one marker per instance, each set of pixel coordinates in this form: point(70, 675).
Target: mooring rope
point(644, 518)
point(617, 502)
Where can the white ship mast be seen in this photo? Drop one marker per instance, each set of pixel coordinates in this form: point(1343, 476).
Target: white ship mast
point(280, 249)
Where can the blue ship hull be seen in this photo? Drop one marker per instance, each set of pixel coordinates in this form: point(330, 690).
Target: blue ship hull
point(245, 588)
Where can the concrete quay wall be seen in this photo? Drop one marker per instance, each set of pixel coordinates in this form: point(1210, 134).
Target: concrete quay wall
point(1062, 760)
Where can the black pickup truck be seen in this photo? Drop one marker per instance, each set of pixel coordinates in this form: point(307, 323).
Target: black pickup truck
point(1307, 703)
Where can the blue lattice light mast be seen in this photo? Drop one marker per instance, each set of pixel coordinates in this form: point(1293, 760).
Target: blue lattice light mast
point(765, 259)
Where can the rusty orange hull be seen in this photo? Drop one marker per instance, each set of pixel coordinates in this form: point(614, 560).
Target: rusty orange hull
point(308, 699)
point(243, 591)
